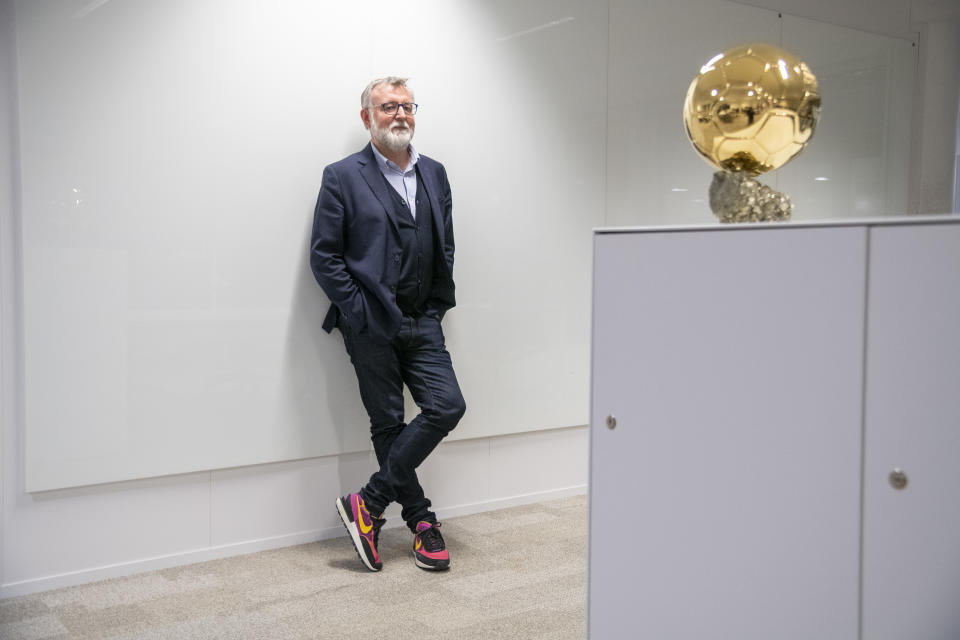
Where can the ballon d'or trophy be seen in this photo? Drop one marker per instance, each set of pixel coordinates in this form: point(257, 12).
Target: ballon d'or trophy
point(751, 109)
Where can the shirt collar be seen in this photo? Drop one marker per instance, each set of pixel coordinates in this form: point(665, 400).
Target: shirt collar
point(385, 164)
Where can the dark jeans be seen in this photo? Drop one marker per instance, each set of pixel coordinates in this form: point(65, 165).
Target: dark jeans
point(417, 357)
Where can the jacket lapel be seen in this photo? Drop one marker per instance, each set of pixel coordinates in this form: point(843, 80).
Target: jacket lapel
point(375, 180)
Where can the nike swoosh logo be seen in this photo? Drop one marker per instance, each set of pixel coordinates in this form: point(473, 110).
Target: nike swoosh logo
point(365, 528)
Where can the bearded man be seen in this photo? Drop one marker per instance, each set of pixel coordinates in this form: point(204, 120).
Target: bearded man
point(382, 251)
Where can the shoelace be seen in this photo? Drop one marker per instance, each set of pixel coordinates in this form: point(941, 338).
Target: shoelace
point(432, 540)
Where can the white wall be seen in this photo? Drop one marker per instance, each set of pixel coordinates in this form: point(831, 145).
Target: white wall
point(76, 535)
point(72, 536)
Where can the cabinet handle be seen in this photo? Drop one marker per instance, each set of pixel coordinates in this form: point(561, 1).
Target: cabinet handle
point(898, 479)
point(611, 421)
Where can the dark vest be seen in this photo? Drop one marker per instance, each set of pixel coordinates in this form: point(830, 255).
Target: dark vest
point(417, 244)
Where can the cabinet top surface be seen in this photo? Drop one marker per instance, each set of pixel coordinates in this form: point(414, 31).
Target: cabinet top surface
point(953, 218)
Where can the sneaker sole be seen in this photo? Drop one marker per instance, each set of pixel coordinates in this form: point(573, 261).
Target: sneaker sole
point(354, 536)
point(429, 567)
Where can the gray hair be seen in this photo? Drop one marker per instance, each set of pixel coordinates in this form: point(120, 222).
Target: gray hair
point(394, 81)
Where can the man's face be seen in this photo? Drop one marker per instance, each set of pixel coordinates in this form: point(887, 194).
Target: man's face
point(392, 132)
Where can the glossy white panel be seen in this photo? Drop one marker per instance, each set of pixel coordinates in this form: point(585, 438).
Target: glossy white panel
point(534, 462)
point(858, 163)
point(76, 529)
point(861, 147)
point(275, 500)
point(78, 348)
point(525, 199)
point(656, 49)
point(172, 323)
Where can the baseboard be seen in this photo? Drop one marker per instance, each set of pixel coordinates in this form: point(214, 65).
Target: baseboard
point(95, 574)
point(512, 501)
point(106, 572)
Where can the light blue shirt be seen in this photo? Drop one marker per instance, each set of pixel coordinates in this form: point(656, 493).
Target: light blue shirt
point(403, 182)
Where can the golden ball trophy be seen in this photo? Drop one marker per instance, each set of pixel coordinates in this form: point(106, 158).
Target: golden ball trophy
point(751, 109)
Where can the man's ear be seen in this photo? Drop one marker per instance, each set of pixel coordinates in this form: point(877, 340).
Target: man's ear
point(365, 116)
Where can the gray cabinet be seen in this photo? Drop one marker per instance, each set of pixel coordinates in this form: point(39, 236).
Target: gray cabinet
point(734, 376)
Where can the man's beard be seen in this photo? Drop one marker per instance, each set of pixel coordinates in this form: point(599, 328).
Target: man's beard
point(395, 137)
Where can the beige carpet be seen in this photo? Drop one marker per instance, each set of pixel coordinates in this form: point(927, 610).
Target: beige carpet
point(516, 573)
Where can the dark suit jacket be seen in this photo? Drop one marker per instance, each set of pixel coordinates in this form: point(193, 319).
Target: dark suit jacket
point(355, 249)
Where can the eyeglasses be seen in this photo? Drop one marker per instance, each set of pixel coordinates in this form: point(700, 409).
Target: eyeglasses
point(390, 108)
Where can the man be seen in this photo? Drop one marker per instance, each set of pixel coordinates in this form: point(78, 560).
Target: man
point(382, 250)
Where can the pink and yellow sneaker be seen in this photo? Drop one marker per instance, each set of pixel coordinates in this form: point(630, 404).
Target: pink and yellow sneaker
point(429, 551)
point(363, 529)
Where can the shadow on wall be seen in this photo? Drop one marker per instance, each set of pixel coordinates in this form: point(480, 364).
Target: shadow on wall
point(340, 426)
point(315, 360)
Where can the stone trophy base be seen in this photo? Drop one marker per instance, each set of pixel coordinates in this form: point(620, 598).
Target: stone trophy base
point(736, 197)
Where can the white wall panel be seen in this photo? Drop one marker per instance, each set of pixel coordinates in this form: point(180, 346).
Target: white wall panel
point(527, 463)
point(72, 530)
point(282, 499)
point(457, 475)
point(171, 158)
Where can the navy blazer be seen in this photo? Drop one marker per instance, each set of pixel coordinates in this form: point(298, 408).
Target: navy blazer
point(355, 250)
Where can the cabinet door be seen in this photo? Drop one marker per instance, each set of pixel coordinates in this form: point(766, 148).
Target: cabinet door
point(725, 503)
point(911, 564)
